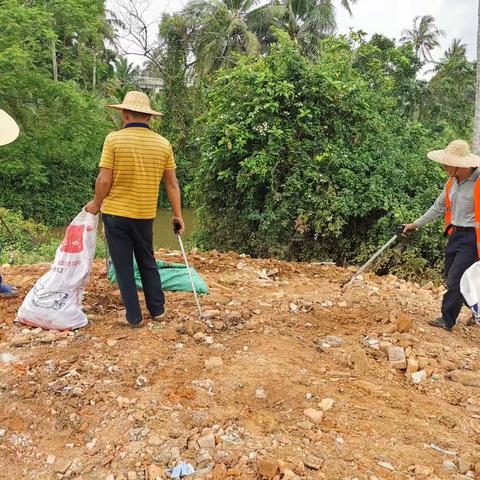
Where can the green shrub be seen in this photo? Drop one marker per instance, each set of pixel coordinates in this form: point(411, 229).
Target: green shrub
point(49, 172)
point(26, 241)
point(316, 159)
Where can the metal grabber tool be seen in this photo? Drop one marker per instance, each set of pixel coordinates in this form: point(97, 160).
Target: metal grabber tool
point(399, 234)
point(176, 230)
point(12, 237)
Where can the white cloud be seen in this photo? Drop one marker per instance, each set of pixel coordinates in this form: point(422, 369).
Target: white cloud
point(458, 18)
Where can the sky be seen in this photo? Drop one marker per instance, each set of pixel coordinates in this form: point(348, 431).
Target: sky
point(458, 18)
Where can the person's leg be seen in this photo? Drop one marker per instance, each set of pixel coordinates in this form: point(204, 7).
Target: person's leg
point(450, 253)
point(147, 266)
point(464, 256)
point(118, 232)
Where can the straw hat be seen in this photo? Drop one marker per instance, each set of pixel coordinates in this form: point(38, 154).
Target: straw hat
point(457, 154)
point(136, 102)
point(8, 128)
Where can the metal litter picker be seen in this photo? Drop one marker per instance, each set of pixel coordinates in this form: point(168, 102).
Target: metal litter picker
point(399, 234)
point(12, 237)
point(176, 230)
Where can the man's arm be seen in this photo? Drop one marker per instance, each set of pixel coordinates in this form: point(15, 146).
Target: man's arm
point(174, 196)
point(435, 211)
point(102, 189)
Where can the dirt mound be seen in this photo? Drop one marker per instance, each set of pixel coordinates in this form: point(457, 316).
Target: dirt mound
point(294, 380)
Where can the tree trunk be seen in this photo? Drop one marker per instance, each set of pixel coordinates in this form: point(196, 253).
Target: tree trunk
point(476, 129)
point(94, 74)
point(54, 62)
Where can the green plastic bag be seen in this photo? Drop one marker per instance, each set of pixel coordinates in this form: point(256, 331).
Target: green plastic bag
point(174, 277)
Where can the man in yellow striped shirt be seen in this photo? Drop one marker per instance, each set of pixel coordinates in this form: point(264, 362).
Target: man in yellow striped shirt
point(134, 161)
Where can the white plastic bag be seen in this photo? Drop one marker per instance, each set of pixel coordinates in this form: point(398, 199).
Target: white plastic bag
point(470, 288)
point(55, 301)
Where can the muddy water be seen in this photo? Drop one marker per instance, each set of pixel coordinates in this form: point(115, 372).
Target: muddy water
point(163, 236)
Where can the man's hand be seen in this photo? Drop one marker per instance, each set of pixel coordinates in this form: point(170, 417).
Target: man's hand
point(178, 222)
point(92, 207)
point(102, 189)
point(174, 197)
point(408, 227)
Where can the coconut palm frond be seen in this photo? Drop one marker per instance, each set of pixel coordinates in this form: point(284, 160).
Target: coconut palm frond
point(424, 35)
point(456, 48)
point(347, 5)
point(320, 21)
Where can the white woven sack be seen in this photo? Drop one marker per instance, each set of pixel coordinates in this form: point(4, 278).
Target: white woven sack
point(470, 288)
point(55, 301)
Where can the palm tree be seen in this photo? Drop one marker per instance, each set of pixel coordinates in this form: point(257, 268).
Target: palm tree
point(124, 79)
point(451, 90)
point(125, 72)
point(424, 36)
point(453, 66)
point(456, 49)
point(224, 27)
point(347, 4)
point(305, 21)
point(454, 57)
point(476, 130)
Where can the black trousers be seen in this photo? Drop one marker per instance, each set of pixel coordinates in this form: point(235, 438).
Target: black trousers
point(461, 253)
point(127, 237)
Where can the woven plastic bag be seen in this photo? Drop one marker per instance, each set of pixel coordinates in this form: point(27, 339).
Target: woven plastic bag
point(470, 288)
point(55, 301)
point(174, 277)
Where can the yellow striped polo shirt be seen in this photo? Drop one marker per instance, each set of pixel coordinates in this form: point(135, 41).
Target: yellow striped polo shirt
point(138, 157)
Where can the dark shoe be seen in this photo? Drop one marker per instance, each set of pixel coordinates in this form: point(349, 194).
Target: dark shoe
point(8, 291)
point(440, 323)
point(159, 318)
point(125, 323)
point(140, 324)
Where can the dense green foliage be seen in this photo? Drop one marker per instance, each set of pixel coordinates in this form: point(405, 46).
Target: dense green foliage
point(48, 173)
point(180, 102)
point(450, 101)
point(27, 241)
point(19, 236)
point(293, 142)
point(317, 159)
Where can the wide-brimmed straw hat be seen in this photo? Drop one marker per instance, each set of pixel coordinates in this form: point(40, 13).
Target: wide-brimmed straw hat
point(457, 154)
point(8, 128)
point(136, 102)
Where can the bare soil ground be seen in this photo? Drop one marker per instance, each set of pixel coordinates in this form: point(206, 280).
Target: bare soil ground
point(291, 380)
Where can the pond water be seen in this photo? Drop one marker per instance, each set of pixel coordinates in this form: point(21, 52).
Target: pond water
point(163, 236)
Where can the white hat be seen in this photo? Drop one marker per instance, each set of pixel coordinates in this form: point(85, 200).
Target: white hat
point(8, 128)
point(457, 154)
point(136, 102)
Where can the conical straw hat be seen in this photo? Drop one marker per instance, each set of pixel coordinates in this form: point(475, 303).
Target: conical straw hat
point(136, 102)
point(457, 154)
point(8, 128)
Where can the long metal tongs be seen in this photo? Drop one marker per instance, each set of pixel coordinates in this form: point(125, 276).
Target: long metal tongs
point(399, 233)
point(7, 228)
point(176, 229)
